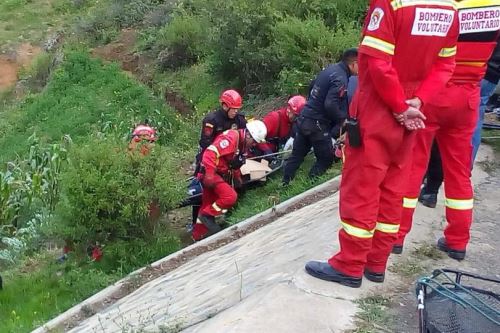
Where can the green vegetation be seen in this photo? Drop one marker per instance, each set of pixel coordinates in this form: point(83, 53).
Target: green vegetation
point(32, 20)
point(373, 316)
point(74, 182)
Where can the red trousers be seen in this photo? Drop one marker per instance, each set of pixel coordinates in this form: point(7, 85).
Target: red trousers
point(451, 119)
point(216, 201)
point(371, 190)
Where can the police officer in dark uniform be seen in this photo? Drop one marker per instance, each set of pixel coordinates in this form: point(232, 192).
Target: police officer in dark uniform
point(322, 117)
point(214, 123)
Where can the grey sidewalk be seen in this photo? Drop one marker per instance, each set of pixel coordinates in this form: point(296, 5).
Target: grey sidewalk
point(255, 284)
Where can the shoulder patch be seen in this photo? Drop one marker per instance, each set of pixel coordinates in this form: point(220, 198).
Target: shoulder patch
point(224, 144)
point(375, 19)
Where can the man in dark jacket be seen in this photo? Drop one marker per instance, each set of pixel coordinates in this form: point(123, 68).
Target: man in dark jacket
point(322, 117)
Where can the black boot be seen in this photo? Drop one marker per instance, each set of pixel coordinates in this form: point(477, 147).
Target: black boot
point(374, 277)
point(428, 199)
point(209, 222)
point(397, 249)
point(323, 271)
point(454, 254)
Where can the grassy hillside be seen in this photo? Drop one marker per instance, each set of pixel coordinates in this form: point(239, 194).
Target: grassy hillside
point(89, 190)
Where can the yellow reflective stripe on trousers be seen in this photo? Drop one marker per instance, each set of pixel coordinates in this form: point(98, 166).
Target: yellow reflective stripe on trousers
point(410, 202)
point(357, 232)
point(378, 44)
point(387, 228)
point(217, 208)
point(398, 4)
point(448, 52)
point(459, 204)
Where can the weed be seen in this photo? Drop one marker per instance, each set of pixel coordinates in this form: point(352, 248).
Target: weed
point(373, 316)
point(410, 267)
point(488, 165)
point(428, 251)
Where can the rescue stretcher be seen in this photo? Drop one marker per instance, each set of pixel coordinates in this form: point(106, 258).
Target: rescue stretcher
point(253, 172)
point(453, 301)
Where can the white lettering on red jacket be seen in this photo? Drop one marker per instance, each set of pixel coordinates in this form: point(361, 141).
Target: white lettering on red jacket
point(432, 22)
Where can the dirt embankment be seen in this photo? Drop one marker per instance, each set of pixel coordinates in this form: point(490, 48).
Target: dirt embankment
point(12, 62)
point(138, 65)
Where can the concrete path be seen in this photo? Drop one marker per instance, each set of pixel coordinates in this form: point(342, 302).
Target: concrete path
point(255, 284)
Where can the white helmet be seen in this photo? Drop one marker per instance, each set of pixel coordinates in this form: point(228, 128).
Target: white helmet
point(257, 130)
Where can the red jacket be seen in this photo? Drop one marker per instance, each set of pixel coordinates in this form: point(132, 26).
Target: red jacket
point(218, 155)
point(479, 29)
point(398, 70)
point(278, 129)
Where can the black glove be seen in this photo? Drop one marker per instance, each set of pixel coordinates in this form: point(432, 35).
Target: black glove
point(237, 162)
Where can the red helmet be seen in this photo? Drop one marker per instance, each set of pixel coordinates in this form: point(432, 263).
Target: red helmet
point(231, 98)
point(144, 132)
point(296, 103)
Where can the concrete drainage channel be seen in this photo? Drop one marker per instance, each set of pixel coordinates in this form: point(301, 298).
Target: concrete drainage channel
point(136, 279)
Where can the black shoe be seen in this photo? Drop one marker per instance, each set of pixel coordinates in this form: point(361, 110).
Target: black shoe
point(454, 254)
point(397, 249)
point(428, 199)
point(323, 271)
point(374, 277)
point(209, 222)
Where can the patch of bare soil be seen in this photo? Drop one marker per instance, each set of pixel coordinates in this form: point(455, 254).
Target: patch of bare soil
point(151, 273)
point(11, 63)
point(8, 72)
point(121, 50)
point(176, 101)
point(491, 118)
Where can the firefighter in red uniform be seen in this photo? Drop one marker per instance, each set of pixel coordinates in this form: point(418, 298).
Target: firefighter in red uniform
point(279, 125)
point(451, 120)
point(406, 54)
point(220, 165)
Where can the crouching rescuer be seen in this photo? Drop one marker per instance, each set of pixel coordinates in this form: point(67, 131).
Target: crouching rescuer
point(220, 174)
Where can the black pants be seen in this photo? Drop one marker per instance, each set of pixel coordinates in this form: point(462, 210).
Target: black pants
point(310, 133)
point(434, 171)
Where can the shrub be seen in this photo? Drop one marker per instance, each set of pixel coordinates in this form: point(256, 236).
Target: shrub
point(107, 191)
point(243, 34)
point(304, 47)
point(183, 42)
point(332, 13)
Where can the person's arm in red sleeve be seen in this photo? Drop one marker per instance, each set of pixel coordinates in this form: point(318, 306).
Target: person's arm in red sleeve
point(379, 44)
point(387, 84)
point(210, 161)
point(443, 68)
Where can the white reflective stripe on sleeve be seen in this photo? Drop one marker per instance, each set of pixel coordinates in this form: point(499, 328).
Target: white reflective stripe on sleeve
point(217, 208)
point(410, 202)
point(459, 204)
point(378, 44)
point(357, 232)
point(214, 149)
point(387, 228)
